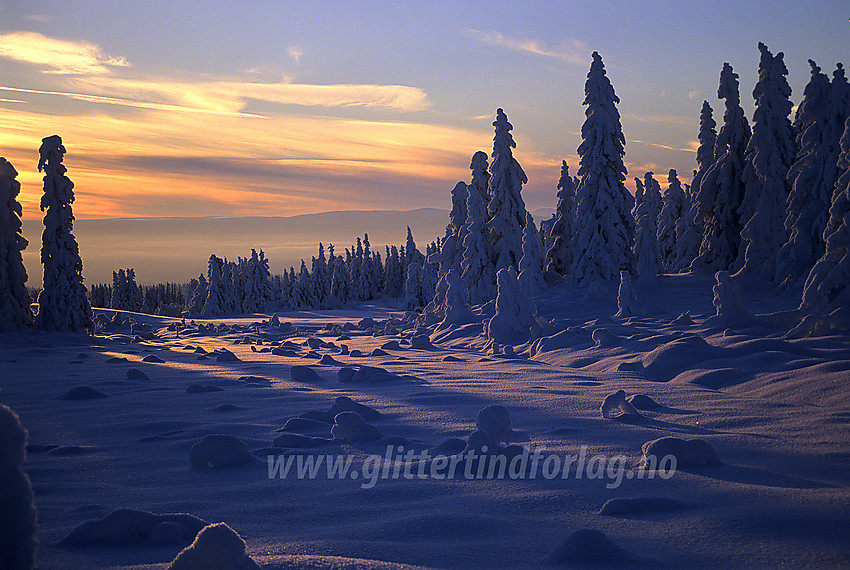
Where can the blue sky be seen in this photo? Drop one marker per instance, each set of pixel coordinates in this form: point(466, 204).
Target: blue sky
point(279, 108)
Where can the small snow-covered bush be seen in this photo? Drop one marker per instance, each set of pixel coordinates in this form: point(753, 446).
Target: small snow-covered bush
point(515, 317)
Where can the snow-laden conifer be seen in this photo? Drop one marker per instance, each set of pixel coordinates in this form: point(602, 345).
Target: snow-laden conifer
point(15, 310)
point(506, 208)
point(811, 183)
point(603, 231)
point(722, 187)
point(63, 304)
point(560, 255)
point(770, 155)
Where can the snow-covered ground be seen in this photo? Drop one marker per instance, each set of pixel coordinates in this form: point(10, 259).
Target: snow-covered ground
point(774, 408)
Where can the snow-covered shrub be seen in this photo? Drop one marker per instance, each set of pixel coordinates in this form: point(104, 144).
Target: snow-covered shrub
point(515, 319)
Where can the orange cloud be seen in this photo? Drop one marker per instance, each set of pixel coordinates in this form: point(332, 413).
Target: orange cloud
point(58, 56)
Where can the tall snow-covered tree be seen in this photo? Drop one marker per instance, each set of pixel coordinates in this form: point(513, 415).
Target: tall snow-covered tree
point(506, 209)
point(477, 268)
point(639, 190)
point(812, 178)
point(723, 184)
point(603, 230)
point(560, 256)
point(770, 155)
point(15, 310)
point(828, 284)
point(652, 196)
point(531, 263)
point(480, 175)
point(690, 231)
point(305, 290)
point(63, 304)
point(674, 208)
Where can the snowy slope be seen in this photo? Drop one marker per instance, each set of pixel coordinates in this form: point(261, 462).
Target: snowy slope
point(774, 408)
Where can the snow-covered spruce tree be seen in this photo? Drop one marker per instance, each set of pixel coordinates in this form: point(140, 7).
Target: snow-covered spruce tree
point(689, 232)
point(811, 184)
point(515, 319)
point(560, 256)
point(506, 209)
point(531, 263)
point(216, 303)
point(450, 253)
point(63, 304)
point(480, 176)
point(770, 155)
point(306, 296)
point(198, 296)
point(639, 190)
point(413, 295)
point(603, 231)
point(320, 276)
point(646, 251)
point(258, 296)
point(828, 284)
point(723, 184)
point(674, 208)
point(15, 301)
point(476, 267)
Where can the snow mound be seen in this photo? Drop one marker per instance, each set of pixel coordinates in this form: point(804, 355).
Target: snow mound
point(304, 374)
point(616, 406)
point(83, 393)
point(217, 546)
point(642, 505)
point(153, 358)
point(203, 388)
point(495, 422)
point(350, 426)
point(136, 375)
point(125, 527)
point(18, 527)
point(421, 342)
point(391, 345)
point(319, 562)
point(302, 424)
point(642, 402)
point(603, 338)
point(219, 450)
point(688, 452)
point(344, 404)
point(589, 546)
point(300, 441)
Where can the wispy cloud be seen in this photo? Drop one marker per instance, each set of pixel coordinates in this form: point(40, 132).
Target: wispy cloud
point(571, 51)
point(57, 56)
point(690, 148)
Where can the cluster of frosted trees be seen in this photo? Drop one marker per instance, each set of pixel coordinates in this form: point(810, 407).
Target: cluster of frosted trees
point(126, 295)
point(332, 281)
point(768, 201)
point(63, 304)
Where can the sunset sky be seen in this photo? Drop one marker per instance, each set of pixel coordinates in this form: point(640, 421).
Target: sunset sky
point(279, 108)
